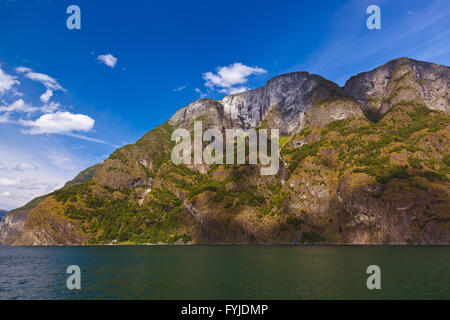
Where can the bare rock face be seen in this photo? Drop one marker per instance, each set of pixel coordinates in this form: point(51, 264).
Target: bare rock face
point(401, 80)
point(11, 226)
point(400, 218)
point(46, 225)
point(288, 96)
point(209, 111)
point(335, 109)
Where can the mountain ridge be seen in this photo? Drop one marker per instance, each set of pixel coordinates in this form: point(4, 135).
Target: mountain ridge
point(2, 213)
point(364, 163)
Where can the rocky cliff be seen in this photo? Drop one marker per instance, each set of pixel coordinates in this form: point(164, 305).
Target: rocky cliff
point(365, 163)
point(377, 91)
point(285, 101)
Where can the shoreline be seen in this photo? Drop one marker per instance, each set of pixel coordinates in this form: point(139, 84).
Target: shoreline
point(234, 245)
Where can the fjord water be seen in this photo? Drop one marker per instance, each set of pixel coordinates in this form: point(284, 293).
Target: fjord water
point(225, 272)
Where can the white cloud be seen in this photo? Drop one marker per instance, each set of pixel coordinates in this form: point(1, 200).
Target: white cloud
point(6, 182)
point(46, 80)
point(23, 167)
point(228, 77)
point(180, 88)
point(34, 184)
point(25, 184)
point(59, 123)
point(11, 196)
point(36, 174)
point(17, 168)
point(108, 59)
point(201, 94)
point(39, 170)
point(234, 90)
point(51, 122)
point(50, 107)
point(6, 81)
point(60, 160)
point(18, 106)
point(79, 136)
point(23, 69)
point(45, 97)
point(4, 118)
point(50, 83)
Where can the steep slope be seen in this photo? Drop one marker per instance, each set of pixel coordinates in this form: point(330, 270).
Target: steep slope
point(367, 163)
point(400, 80)
point(365, 182)
point(12, 227)
point(283, 103)
point(12, 224)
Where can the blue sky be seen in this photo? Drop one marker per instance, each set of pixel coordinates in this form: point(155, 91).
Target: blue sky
point(62, 108)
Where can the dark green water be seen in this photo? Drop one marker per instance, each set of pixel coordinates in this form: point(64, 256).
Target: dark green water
point(225, 272)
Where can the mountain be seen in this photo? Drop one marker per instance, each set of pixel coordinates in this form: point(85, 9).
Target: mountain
point(366, 163)
point(2, 213)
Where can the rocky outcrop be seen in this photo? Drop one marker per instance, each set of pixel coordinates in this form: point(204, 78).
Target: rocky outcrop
point(399, 80)
point(290, 96)
point(11, 226)
point(46, 225)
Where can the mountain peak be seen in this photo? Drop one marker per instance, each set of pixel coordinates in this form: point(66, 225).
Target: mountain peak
point(401, 80)
point(288, 95)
